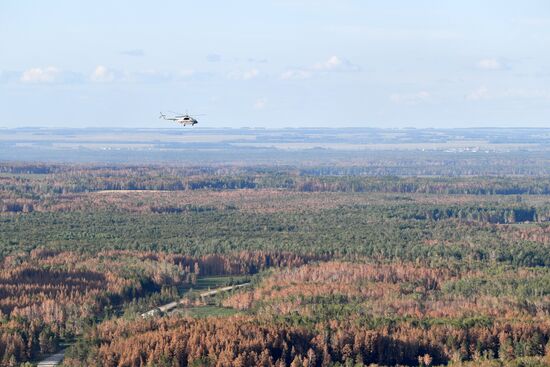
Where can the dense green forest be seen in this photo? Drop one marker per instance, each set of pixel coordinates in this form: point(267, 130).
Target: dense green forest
point(346, 267)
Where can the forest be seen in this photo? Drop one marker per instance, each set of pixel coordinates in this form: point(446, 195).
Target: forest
point(343, 265)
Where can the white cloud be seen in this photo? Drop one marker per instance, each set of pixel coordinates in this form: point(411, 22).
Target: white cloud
point(102, 75)
point(48, 74)
point(411, 98)
point(489, 64)
point(260, 104)
point(295, 74)
point(244, 75)
point(250, 74)
point(334, 63)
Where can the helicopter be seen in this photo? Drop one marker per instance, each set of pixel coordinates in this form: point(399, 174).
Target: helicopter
point(184, 119)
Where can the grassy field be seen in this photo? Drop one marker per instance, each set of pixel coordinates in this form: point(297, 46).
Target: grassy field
point(207, 311)
point(207, 283)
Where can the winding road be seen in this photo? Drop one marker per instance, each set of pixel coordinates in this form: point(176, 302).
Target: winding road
point(53, 360)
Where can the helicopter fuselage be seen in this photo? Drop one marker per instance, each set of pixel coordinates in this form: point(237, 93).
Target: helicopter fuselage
point(181, 119)
point(186, 120)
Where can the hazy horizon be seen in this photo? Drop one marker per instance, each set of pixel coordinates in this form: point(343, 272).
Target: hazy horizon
point(175, 126)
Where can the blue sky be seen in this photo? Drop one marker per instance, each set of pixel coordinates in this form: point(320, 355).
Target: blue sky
point(276, 63)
